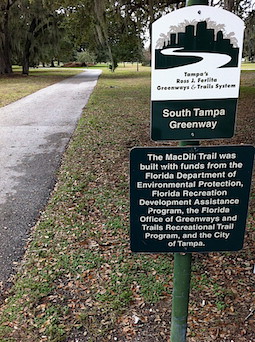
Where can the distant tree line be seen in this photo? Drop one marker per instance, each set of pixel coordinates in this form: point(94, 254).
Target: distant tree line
point(44, 31)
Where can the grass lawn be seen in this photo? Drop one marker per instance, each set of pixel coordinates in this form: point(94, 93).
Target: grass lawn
point(16, 85)
point(248, 66)
point(79, 280)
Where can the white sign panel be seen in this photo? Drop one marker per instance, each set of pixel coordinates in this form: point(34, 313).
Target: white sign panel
point(196, 60)
point(196, 54)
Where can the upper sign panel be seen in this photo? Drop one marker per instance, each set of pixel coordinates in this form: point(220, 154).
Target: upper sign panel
point(196, 54)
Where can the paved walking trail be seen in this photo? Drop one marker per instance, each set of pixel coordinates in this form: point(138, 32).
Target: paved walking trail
point(34, 133)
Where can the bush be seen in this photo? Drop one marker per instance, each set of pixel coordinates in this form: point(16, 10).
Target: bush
point(86, 57)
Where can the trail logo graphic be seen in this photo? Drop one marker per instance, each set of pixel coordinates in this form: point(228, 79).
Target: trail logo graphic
point(198, 43)
point(196, 61)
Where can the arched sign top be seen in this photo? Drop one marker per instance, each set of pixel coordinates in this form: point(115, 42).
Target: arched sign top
point(217, 19)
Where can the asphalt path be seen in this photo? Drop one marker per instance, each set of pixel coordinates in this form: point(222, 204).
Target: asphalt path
point(34, 133)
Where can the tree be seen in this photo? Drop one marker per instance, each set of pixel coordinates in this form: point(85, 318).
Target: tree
point(114, 28)
point(40, 27)
point(243, 8)
point(80, 25)
point(124, 36)
point(34, 28)
point(239, 7)
point(86, 57)
point(25, 22)
point(249, 37)
point(145, 12)
point(5, 42)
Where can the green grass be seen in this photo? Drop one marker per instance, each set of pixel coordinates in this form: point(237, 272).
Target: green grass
point(80, 248)
point(248, 66)
point(16, 86)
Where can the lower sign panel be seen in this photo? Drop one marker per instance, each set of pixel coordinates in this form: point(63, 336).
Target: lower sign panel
point(189, 199)
point(193, 119)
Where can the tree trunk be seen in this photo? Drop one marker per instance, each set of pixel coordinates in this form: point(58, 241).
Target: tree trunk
point(5, 57)
point(151, 19)
point(27, 47)
point(101, 27)
point(229, 5)
point(26, 57)
point(25, 66)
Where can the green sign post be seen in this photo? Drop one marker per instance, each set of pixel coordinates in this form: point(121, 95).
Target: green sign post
point(182, 269)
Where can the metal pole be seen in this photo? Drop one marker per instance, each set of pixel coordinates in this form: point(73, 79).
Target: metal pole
point(181, 286)
point(182, 267)
point(180, 301)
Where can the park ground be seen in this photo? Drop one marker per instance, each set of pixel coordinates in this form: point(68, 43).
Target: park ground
point(78, 280)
